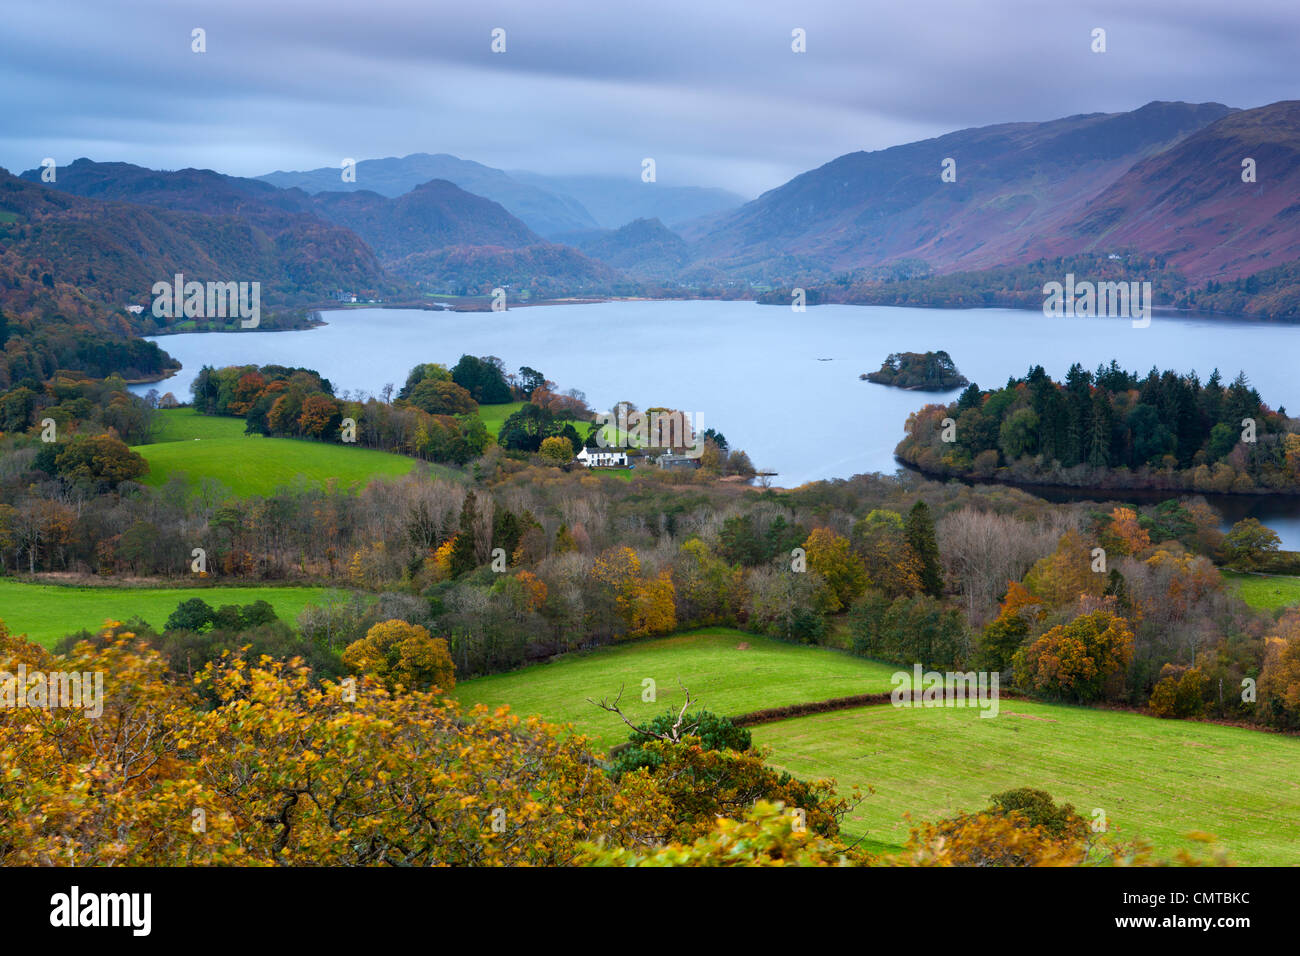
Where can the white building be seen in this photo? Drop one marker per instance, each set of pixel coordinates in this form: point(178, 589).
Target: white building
point(603, 457)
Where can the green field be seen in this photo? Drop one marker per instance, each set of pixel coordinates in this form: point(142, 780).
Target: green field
point(47, 612)
point(1265, 591)
point(209, 446)
point(494, 416)
point(720, 677)
point(1159, 779)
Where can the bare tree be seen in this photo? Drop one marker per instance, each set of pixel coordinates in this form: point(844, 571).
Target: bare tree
point(674, 733)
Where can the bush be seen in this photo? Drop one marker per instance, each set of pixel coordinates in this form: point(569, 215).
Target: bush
point(714, 732)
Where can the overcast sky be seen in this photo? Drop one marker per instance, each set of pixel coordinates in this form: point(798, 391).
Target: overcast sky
point(709, 88)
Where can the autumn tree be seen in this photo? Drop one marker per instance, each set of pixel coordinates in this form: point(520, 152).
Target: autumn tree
point(1074, 661)
point(320, 416)
point(1180, 692)
point(1123, 533)
point(842, 573)
point(99, 460)
point(556, 450)
point(1279, 680)
point(1005, 634)
point(1061, 577)
point(399, 653)
point(880, 539)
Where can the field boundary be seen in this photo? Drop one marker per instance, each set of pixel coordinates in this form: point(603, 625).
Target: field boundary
point(771, 715)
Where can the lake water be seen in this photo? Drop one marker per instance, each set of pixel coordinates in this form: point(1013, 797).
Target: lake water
point(783, 386)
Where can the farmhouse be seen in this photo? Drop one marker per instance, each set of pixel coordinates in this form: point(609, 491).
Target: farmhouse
point(603, 457)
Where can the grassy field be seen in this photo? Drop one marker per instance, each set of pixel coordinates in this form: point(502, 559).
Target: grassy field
point(1265, 591)
point(494, 416)
point(721, 677)
point(47, 612)
point(207, 446)
point(1160, 779)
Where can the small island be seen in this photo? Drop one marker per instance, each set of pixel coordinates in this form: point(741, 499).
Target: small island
point(928, 372)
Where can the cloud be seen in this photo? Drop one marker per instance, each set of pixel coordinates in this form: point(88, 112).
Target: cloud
point(711, 90)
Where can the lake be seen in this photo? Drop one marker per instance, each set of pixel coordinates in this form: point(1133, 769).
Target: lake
point(783, 386)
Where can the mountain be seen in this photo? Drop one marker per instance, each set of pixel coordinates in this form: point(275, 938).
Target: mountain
point(615, 201)
point(431, 216)
point(1190, 202)
point(544, 212)
point(444, 239)
point(206, 225)
point(1019, 187)
point(644, 248)
point(305, 247)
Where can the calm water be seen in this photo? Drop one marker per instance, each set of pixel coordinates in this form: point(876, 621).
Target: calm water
point(783, 386)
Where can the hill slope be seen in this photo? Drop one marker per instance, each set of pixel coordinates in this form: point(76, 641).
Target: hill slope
point(1017, 185)
point(1191, 203)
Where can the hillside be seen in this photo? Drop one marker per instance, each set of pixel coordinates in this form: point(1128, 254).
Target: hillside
point(432, 216)
point(544, 270)
point(1134, 767)
point(1017, 185)
point(644, 248)
point(1190, 202)
point(112, 230)
point(201, 447)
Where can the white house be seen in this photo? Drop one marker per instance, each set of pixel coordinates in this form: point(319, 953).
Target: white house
point(603, 457)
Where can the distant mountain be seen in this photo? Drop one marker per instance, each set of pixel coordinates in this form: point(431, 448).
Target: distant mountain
point(304, 247)
point(1018, 188)
point(615, 201)
point(644, 248)
point(214, 228)
point(1191, 203)
point(445, 239)
point(546, 213)
point(431, 216)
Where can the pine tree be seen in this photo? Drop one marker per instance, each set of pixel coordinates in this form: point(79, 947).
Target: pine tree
point(921, 538)
point(463, 556)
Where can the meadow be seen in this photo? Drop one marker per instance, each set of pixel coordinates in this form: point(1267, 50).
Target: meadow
point(1158, 779)
point(1265, 592)
point(48, 612)
point(494, 416)
point(720, 675)
point(210, 446)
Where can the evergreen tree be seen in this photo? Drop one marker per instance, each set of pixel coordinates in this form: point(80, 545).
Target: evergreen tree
point(921, 538)
point(463, 556)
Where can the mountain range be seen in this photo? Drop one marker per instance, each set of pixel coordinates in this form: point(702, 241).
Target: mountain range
point(1204, 193)
point(552, 206)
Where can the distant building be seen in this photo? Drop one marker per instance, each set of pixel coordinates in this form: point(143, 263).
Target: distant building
point(135, 309)
point(672, 462)
point(603, 457)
